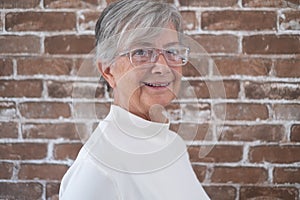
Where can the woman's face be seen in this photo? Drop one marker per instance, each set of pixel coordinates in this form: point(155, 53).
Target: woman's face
point(141, 89)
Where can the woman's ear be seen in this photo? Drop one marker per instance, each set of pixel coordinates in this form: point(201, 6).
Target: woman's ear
point(107, 75)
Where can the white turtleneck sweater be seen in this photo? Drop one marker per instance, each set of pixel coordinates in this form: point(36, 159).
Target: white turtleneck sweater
point(129, 158)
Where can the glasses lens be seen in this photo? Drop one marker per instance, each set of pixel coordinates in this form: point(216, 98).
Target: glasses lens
point(141, 56)
point(177, 56)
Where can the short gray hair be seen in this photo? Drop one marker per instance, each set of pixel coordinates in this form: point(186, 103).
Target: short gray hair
point(126, 15)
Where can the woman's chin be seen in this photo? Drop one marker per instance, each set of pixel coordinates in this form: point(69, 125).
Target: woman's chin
point(158, 102)
point(162, 99)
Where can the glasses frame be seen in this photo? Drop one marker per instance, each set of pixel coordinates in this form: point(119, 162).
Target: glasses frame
point(158, 53)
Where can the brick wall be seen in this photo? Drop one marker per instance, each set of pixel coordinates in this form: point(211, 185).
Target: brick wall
point(255, 45)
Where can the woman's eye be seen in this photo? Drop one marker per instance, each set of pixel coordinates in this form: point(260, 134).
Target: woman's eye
point(140, 52)
point(173, 52)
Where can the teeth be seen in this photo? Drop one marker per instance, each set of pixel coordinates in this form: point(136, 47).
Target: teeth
point(157, 84)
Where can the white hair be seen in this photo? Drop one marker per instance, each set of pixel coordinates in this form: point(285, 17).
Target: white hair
point(124, 21)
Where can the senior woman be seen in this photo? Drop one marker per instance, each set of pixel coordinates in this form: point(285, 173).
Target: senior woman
point(132, 154)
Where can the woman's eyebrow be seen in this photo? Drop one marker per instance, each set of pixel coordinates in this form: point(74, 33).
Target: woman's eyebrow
point(149, 44)
point(142, 44)
point(171, 44)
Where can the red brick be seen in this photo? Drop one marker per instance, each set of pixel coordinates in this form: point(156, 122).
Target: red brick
point(189, 112)
point(208, 3)
point(51, 110)
point(274, 154)
point(268, 3)
point(218, 43)
point(66, 89)
point(289, 20)
point(23, 151)
point(6, 170)
point(217, 153)
point(227, 66)
point(287, 67)
point(42, 171)
point(88, 19)
point(164, 1)
point(21, 190)
point(238, 20)
point(44, 66)
point(255, 90)
point(50, 131)
point(218, 89)
point(190, 21)
point(271, 44)
point(70, 4)
point(263, 132)
point(19, 4)
point(59, 89)
point(197, 67)
point(21, 88)
point(200, 172)
point(90, 90)
point(8, 130)
point(6, 67)
point(221, 192)
point(52, 190)
point(254, 192)
point(109, 1)
point(100, 109)
point(190, 132)
point(1, 23)
point(290, 2)
point(287, 111)
point(242, 111)
point(69, 44)
point(40, 21)
point(173, 110)
point(86, 67)
point(168, 1)
point(286, 175)
point(193, 89)
point(66, 151)
point(295, 133)
point(19, 44)
point(7, 109)
point(232, 89)
point(240, 175)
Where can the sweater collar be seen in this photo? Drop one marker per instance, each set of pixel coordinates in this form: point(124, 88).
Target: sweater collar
point(135, 126)
point(128, 143)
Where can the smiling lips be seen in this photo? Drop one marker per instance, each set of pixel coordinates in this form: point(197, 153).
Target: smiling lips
point(156, 85)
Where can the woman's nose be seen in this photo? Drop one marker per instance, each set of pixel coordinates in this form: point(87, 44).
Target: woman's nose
point(161, 65)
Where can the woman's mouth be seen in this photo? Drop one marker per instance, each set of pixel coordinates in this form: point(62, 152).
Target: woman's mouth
point(156, 85)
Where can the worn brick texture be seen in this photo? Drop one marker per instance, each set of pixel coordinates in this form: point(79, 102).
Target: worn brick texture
point(254, 50)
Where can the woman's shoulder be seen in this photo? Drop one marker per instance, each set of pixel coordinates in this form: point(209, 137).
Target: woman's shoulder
point(88, 166)
point(87, 177)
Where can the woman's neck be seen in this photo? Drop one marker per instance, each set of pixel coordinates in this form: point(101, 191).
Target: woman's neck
point(156, 113)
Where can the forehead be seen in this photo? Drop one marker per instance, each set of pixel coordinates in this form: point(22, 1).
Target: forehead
point(166, 38)
point(160, 44)
point(151, 37)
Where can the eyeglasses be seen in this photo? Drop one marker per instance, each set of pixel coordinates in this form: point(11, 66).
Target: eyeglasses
point(175, 56)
